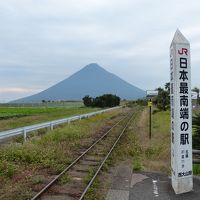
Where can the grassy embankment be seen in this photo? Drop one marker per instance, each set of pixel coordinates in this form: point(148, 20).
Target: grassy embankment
point(25, 166)
point(154, 154)
point(17, 117)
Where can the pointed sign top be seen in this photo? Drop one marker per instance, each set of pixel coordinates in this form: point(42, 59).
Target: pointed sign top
point(179, 38)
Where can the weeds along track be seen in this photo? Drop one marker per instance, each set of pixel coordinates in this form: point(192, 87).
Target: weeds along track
point(75, 180)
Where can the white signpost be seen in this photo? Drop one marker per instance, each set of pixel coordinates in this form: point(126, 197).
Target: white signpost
point(181, 114)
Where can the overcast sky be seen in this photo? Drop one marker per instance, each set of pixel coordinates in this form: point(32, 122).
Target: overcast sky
point(45, 41)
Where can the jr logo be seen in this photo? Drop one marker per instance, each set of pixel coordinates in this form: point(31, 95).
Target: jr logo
point(183, 51)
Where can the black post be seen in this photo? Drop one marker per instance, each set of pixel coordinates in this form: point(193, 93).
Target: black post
point(149, 122)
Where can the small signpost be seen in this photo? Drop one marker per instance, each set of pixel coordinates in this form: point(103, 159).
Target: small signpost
point(149, 95)
point(181, 114)
point(149, 103)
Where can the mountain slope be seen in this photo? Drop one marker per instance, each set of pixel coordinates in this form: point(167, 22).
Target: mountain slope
point(92, 80)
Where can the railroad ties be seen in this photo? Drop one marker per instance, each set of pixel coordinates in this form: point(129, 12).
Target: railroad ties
point(81, 173)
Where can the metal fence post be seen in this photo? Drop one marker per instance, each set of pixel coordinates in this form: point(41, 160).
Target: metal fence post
point(51, 126)
point(149, 122)
point(24, 135)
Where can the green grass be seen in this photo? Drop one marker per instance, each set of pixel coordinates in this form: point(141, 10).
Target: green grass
point(64, 179)
point(37, 179)
point(90, 175)
point(137, 165)
point(7, 169)
point(52, 152)
point(161, 122)
point(47, 151)
point(161, 117)
point(6, 113)
point(196, 169)
point(18, 117)
point(92, 193)
point(46, 104)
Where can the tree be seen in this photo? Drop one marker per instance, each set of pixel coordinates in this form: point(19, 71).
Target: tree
point(167, 86)
point(162, 100)
point(99, 102)
point(110, 100)
point(87, 100)
point(106, 100)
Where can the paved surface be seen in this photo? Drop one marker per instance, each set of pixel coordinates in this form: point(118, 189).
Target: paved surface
point(146, 186)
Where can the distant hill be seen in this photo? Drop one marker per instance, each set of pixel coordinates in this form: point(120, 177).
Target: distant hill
point(91, 80)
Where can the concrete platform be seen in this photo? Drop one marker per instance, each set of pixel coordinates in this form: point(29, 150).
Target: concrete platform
point(146, 186)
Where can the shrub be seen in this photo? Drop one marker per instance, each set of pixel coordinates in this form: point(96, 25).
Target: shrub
point(87, 100)
point(106, 100)
point(196, 136)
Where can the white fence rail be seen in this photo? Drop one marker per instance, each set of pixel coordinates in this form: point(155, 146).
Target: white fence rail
point(27, 129)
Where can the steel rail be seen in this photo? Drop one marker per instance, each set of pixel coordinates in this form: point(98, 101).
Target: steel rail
point(97, 172)
point(197, 160)
point(194, 151)
point(39, 194)
point(27, 129)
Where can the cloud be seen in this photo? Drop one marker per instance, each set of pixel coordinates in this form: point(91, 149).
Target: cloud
point(17, 90)
point(45, 41)
point(10, 93)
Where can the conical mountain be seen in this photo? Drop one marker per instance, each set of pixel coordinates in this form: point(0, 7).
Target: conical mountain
point(92, 80)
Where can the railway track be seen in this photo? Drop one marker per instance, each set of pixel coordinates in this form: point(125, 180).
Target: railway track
point(81, 173)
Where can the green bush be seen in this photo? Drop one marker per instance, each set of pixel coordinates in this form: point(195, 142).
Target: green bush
point(196, 127)
point(106, 100)
point(163, 99)
point(87, 100)
point(137, 166)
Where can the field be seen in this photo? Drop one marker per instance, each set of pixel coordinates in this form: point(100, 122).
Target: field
point(20, 110)
point(46, 104)
point(6, 113)
point(16, 117)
